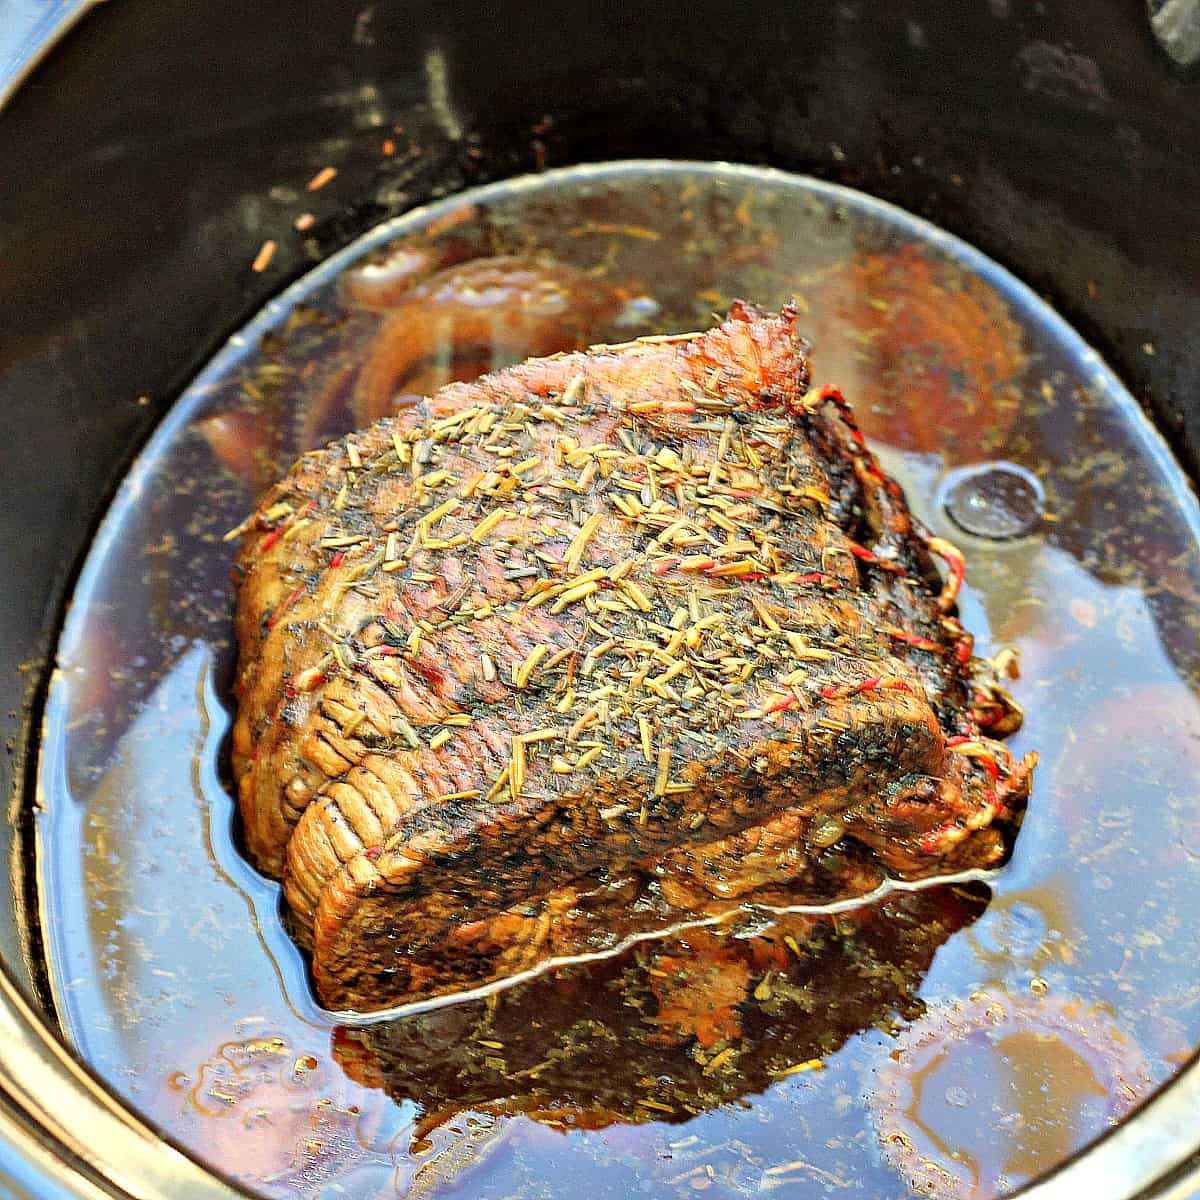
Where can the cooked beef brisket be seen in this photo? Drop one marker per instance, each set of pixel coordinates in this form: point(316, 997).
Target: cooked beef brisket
point(668, 1029)
point(651, 609)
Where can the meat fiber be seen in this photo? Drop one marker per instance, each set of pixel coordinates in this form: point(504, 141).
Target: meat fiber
point(652, 609)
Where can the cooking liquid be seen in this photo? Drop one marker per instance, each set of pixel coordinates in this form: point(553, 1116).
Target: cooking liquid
point(828, 1056)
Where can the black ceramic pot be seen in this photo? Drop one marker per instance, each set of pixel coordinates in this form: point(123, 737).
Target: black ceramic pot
point(141, 155)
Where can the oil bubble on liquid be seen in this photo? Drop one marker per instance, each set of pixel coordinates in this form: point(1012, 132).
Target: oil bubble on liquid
point(771, 1062)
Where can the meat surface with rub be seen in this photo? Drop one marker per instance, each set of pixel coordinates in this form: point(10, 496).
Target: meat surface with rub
point(651, 612)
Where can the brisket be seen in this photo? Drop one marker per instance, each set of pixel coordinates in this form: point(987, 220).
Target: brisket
point(649, 611)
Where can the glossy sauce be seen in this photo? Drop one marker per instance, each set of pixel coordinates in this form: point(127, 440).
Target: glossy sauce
point(934, 1041)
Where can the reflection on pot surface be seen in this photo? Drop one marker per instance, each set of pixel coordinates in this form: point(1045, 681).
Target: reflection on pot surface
point(672, 1027)
point(808, 1054)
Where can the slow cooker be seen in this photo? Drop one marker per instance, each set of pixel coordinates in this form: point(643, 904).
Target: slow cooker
point(150, 149)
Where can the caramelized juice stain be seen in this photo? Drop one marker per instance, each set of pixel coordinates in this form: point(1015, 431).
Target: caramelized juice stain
point(1040, 1077)
point(728, 1061)
point(983, 1096)
point(1032, 928)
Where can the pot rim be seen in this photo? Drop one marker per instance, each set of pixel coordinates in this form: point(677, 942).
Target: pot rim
point(42, 35)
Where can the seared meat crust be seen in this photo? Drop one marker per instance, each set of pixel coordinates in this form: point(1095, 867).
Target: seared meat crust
point(652, 608)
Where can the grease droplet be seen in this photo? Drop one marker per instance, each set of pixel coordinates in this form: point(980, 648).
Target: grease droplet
point(997, 501)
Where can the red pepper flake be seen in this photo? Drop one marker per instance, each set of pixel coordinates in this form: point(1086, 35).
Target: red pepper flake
point(832, 692)
point(788, 702)
point(863, 553)
point(897, 685)
point(285, 606)
point(373, 852)
point(793, 577)
point(989, 714)
point(958, 740)
point(313, 681)
point(912, 639)
point(337, 560)
point(664, 565)
point(934, 838)
point(308, 679)
point(271, 539)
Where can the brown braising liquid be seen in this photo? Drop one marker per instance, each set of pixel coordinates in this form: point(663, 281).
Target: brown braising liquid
point(955, 1041)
